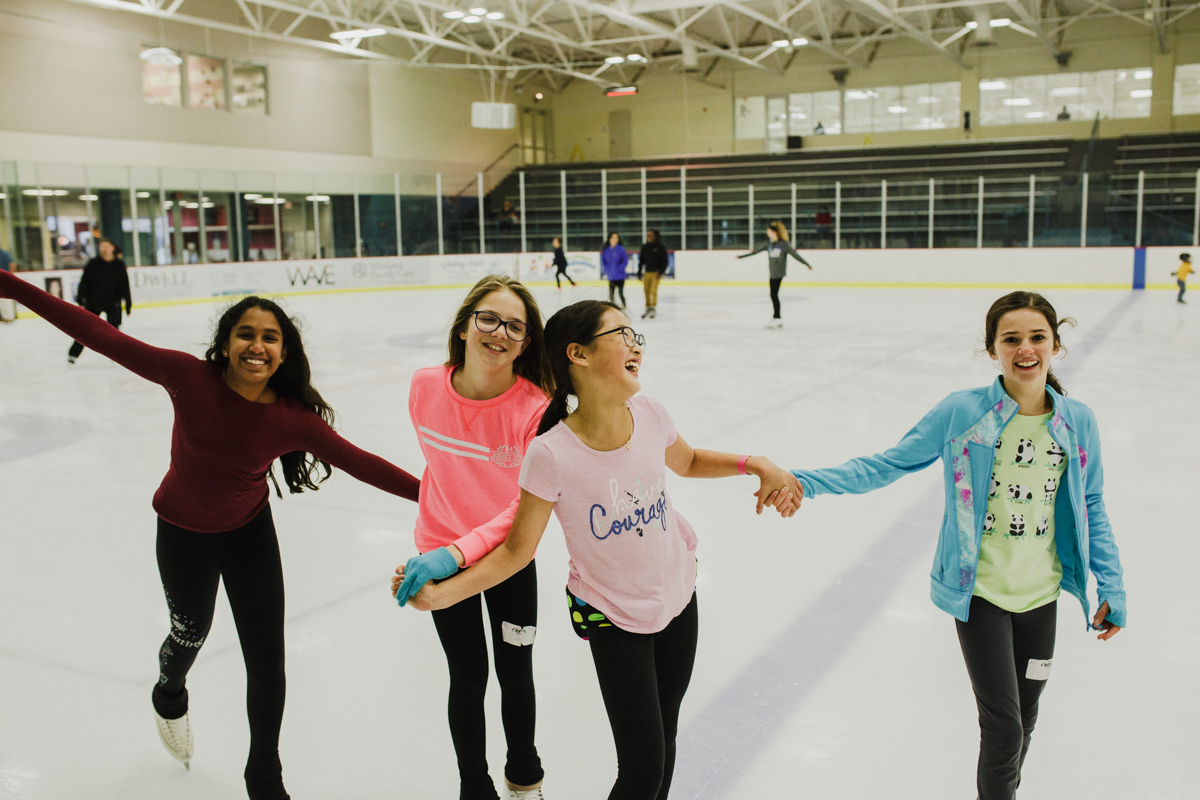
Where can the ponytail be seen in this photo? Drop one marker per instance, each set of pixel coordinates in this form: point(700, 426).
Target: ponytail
point(556, 412)
point(1053, 383)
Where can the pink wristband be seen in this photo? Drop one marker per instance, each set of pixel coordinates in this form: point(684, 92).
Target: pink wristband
point(742, 464)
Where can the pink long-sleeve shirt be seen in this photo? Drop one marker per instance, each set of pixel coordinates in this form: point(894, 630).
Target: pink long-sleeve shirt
point(473, 452)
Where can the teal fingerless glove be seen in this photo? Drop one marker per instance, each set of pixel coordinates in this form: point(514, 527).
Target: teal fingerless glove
point(432, 566)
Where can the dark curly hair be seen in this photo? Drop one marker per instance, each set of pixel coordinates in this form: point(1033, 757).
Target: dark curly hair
point(292, 379)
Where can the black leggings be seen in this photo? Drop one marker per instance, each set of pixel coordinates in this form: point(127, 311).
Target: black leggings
point(616, 287)
point(113, 313)
point(247, 560)
point(643, 677)
point(775, 282)
point(1004, 653)
point(460, 627)
point(561, 271)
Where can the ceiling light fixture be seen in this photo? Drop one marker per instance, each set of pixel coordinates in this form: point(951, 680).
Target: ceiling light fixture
point(454, 15)
point(615, 60)
point(538, 96)
point(1139, 93)
point(1065, 91)
point(620, 91)
point(799, 42)
point(636, 57)
point(991, 86)
point(1000, 23)
point(1144, 74)
point(318, 198)
point(495, 15)
point(162, 56)
point(781, 43)
point(1018, 101)
point(479, 12)
point(972, 25)
point(249, 196)
point(897, 110)
point(471, 18)
point(85, 197)
point(357, 33)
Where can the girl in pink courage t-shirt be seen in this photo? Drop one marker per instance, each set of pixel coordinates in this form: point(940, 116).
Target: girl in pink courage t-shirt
point(475, 416)
point(602, 469)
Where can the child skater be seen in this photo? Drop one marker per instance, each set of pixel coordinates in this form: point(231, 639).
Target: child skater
point(474, 416)
point(1024, 519)
point(249, 401)
point(560, 263)
point(1185, 269)
point(631, 590)
point(613, 263)
point(778, 249)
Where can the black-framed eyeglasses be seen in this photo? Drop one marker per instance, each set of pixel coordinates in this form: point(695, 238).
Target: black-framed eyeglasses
point(514, 329)
point(630, 336)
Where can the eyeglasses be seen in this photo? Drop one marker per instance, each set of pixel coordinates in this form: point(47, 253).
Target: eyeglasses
point(630, 336)
point(487, 322)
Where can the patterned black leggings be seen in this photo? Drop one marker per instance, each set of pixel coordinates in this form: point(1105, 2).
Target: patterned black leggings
point(247, 560)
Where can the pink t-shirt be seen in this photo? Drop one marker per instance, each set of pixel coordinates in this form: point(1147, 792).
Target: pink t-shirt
point(633, 556)
point(473, 451)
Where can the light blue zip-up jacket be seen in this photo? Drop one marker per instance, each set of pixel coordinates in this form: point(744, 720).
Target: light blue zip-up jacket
point(962, 431)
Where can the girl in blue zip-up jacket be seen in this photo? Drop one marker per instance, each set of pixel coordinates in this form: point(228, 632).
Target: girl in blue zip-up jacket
point(1024, 518)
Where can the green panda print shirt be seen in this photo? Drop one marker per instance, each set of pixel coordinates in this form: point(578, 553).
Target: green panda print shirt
point(1019, 568)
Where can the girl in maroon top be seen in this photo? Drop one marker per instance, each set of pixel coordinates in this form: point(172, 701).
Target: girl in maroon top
point(247, 403)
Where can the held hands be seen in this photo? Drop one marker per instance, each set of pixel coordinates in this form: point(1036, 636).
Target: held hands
point(777, 488)
point(411, 578)
point(1106, 628)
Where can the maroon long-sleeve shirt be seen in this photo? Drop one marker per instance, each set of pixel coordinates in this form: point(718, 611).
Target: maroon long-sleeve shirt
point(222, 444)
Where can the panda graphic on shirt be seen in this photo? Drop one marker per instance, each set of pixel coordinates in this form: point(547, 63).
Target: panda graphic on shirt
point(1027, 473)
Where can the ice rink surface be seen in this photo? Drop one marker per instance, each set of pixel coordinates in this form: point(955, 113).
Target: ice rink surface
point(824, 670)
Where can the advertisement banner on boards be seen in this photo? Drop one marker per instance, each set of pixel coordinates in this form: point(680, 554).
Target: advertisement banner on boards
point(535, 267)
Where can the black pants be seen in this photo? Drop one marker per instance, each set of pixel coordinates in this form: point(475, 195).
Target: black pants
point(998, 647)
point(616, 287)
point(1182, 289)
point(643, 677)
point(460, 627)
point(247, 560)
point(561, 271)
point(775, 282)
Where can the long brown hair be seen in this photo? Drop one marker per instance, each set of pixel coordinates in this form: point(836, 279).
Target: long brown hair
point(532, 364)
point(572, 324)
point(1015, 301)
point(292, 379)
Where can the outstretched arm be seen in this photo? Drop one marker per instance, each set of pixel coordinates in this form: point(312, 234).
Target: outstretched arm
point(496, 567)
point(755, 251)
point(792, 252)
point(777, 487)
point(919, 448)
point(324, 443)
point(152, 363)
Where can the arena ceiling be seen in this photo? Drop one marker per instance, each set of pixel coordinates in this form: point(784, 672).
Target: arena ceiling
point(564, 40)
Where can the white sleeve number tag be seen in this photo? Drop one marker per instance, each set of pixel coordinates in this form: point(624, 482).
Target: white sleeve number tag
point(1037, 670)
point(518, 636)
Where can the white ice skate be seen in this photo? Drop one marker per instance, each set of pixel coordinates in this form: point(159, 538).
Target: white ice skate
point(176, 735)
point(525, 794)
point(775, 323)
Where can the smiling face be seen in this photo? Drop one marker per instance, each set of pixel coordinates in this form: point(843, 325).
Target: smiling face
point(1023, 348)
point(494, 350)
point(613, 240)
point(255, 347)
point(612, 366)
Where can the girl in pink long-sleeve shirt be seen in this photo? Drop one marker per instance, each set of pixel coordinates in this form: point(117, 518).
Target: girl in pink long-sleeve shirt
point(475, 415)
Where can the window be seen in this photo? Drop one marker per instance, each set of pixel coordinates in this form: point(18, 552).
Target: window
point(1187, 89)
point(807, 111)
point(1113, 94)
point(206, 82)
point(161, 84)
point(248, 87)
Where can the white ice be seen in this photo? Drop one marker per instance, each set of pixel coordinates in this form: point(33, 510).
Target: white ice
point(823, 620)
